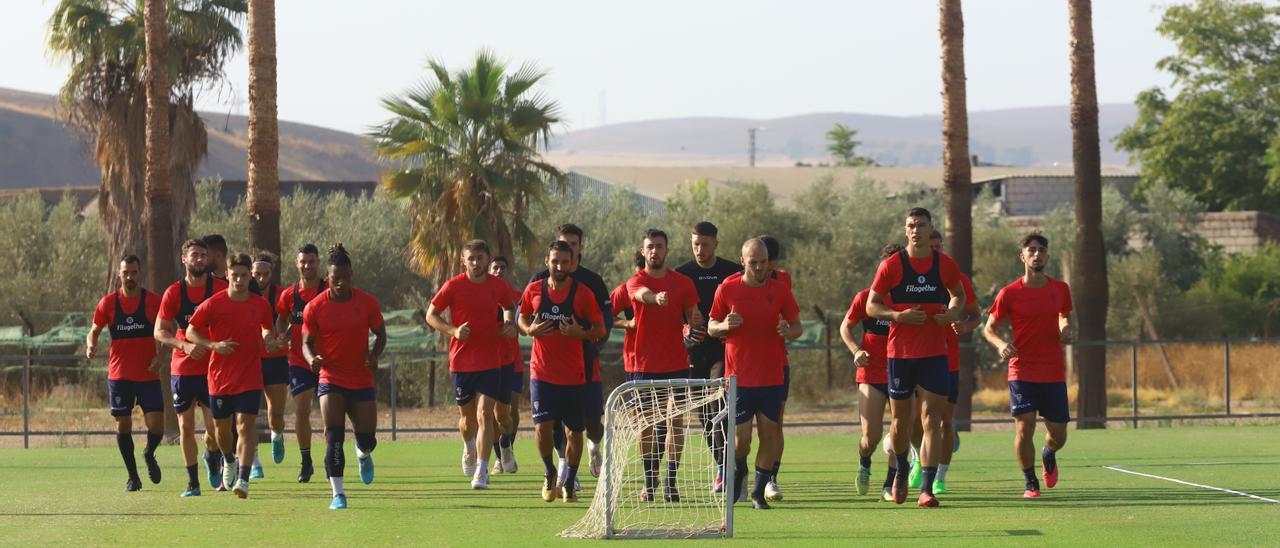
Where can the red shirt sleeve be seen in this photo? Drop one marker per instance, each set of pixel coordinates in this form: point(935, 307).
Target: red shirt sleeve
point(620, 299)
point(153, 306)
point(507, 298)
point(949, 270)
point(634, 285)
point(375, 312)
point(888, 274)
point(584, 305)
point(282, 304)
point(264, 313)
point(200, 319)
point(718, 309)
point(790, 310)
point(999, 308)
point(102, 314)
point(444, 297)
point(969, 296)
point(170, 303)
point(858, 308)
point(526, 301)
point(309, 322)
point(1066, 299)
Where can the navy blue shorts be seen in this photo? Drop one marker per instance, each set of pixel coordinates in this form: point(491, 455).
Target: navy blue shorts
point(1049, 398)
point(275, 370)
point(123, 395)
point(882, 387)
point(786, 381)
point(766, 400)
point(514, 381)
point(593, 400)
point(491, 383)
point(188, 390)
point(302, 379)
point(562, 402)
point(244, 403)
point(353, 394)
point(953, 389)
point(905, 374)
point(702, 357)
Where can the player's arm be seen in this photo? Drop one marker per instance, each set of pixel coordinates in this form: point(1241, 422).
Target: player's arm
point(992, 333)
point(1064, 328)
point(379, 344)
point(876, 308)
point(438, 323)
point(621, 321)
point(605, 302)
point(194, 336)
point(722, 327)
point(955, 309)
point(790, 329)
point(644, 295)
point(309, 353)
point(91, 341)
point(508, 328)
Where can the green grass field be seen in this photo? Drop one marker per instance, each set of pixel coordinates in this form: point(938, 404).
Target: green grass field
point(62, 496)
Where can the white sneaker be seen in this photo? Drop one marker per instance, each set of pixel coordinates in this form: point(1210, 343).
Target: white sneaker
point(497, 467)
point(481, 480)
point(241, 489)
point(771, 492)
point(468, 464)
point(230, 473)
point(595, 460)
point(508, 462)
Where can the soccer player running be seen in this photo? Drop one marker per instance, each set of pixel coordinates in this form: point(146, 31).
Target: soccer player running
point(594, 415)
point(302, 380)
point(706, 354)
point(189, 366)
point(475, 351)
point(129, 313)
point(872, 376)
point(664, 300)
point(217, 246)
point(920, 292)
point(275, 365)
point(752, 313)
point(513, 373)
point(236, 327)
point(559, 313)
point(1039, 310)
point(335, 342)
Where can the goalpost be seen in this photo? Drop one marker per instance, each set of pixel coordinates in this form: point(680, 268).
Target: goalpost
point(618, 508)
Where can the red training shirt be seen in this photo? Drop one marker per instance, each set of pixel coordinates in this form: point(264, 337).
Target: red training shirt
point(755, 351)
point(476, 304)
point(953, 340)
point(1033, 313)
point(129, 359)
point(510, 351)
point(342, 337)
point(221, 319)
point(284, 307)
point(659, 333)
point(170, 307)
point(621, 304)
point(916, 341)
point(557, 358)
point(877, 369)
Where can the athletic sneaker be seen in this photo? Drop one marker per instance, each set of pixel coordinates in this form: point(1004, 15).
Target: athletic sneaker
point(468, 463)
point(508, 462)
point(481, 479)
point(304, 473)
point(229, 477)
point(771, 492)
point(671, 493)
point(339, 502)
point(939, 487)
point(153, 467)
point(549, 490)
point(927, 500)
point(222, 488)
point(760, 504)
point(366, 467)
point(718, 486)
point(595, 460)
point(1050, 478)
point(864, 479)
point(1031, 494)
point(241, 489)
point(568, 494)
point(132, 484)
point(256, 473)
point(192, 491)
point(917, 474)
point(277, 448)
point(214, 470)
point(899, 489)
point(496, 468)
point(886, 495)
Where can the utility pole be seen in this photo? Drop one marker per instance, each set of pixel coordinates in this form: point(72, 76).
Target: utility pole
point(751, 145)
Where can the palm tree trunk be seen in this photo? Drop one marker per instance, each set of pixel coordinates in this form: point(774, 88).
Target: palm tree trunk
point(957, 176)
point(264, 141)
point(1089, 279)
point(158, 211)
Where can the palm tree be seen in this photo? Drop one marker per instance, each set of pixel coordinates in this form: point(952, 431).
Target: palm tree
point(103, 97)
point(957, 176)
point(158, 208)
point(1089, 271)
point(264, 141)
point(463, 149)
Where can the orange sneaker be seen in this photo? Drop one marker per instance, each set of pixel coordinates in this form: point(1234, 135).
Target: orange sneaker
point(927, 500)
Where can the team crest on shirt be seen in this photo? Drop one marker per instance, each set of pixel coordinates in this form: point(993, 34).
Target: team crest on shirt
point(920, 279)
point(555, 309)
point(128, 319)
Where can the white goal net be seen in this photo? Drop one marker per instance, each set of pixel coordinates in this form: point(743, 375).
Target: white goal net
point(654, 428)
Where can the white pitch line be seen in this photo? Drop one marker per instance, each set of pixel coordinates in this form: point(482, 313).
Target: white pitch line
point(1210, 487)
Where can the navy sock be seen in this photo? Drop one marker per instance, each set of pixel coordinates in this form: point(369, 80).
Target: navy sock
point(739, 477)
point(497, 450)
point(930, 472)
point(888, 480)
point(1050, 459)
point(228, 458)
point(672, 469)
point(366, 442)
point(1030, 475)
point(335, 462)
point(773, 474)
point(865, 461)
point(125, 443)
point(762, 477)
point(551, 466)
point(573, 475)
point(660, 436)
point(244, 473)
point(306, 455)
point(559, 439)
point(505, 440)
point(153, 441)
point(903, 464)
point(651, 463)
point(192, 480)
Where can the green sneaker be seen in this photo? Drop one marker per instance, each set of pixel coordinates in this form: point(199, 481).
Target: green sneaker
point(917, 475)
point(939, 487)
point(864, 479)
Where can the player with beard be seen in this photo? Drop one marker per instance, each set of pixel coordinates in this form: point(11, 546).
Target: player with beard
point(302, 380)
point(1038, 309)
point(129, 313)
point(217, 246)
point(706, 354)
point(189, 366)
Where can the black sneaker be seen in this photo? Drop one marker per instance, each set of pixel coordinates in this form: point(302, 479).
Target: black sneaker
point(759, 503)
point(304, 475)
point(134, 484)
point(153, 467)
point(671, 493)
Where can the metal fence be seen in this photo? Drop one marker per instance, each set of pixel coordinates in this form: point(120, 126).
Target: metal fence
point(1169, 380)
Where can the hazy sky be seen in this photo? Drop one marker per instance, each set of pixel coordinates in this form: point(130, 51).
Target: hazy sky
point(665, 59)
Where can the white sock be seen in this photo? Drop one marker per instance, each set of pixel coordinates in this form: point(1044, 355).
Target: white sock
point(276, 435)
point(942, 472)
point(483, 467)
point(359, 454)
point(470, 445)
point(337, 486)
point(564, 470)
point(592, 447)
point(915, 455)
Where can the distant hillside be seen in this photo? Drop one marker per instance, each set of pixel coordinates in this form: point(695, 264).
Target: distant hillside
point(1031, 137)
point(37, 150)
